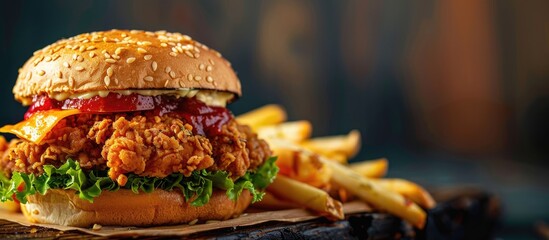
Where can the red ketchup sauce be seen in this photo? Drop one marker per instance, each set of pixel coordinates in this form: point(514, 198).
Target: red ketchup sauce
point(206, 120)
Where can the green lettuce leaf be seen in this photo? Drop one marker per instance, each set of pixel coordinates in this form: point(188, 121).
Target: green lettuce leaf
point(197, 188)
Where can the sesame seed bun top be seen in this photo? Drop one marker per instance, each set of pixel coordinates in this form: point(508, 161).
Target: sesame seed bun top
point(122, 60)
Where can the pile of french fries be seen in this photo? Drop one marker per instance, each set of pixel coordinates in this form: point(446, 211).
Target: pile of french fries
point(314, 172)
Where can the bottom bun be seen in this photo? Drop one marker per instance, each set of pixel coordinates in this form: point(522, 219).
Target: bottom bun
point(125, 208)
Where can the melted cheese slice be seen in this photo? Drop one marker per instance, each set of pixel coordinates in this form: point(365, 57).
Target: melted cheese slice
point(38, 125)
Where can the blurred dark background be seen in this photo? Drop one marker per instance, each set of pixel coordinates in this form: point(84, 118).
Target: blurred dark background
point(452, 92)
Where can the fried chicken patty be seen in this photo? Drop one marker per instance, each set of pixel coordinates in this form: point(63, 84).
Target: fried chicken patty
point(139, 143)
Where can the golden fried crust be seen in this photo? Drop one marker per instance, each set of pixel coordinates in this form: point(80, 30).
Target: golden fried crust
point(154, 147)
point(145, 145)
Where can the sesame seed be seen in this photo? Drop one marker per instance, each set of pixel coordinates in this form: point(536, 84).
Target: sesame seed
point(172, 74)
point(71, 81)
point(147, 57)
point(59, 74)
point(130, 60)
point(149, 33)
point(109, 72)
point(146, 43)
point(118, 51)
point(107, 80)
point(79, 68)
point(189, 77)
point(209, 79)
point(124, 35)
point(211, 61)
point(41, 73)
point(154, 65)
point(110, 60)
point(166, 83)
point(92, 54)
point(80, 58)
point(173, 54)
point(91, 48)
point(55, 57)
point(38, 60)
point(163, 44)
point(141, 50)
point(167, 69)
point(47, 59)
point(74, 47)
point(174, 49)
point(115, 57)
point(116, 81)
point(201, 67)
point(188, 53)
point(66, 64)
point(74, 56)
point(209, 68)
point(107, 55)
point(196, 55)
point(148, 78)
point(82, 48)
point(197, 78)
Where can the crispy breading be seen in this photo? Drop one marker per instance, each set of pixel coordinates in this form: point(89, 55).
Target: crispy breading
point(137, 143)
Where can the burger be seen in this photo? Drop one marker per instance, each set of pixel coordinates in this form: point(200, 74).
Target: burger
point(130, 128)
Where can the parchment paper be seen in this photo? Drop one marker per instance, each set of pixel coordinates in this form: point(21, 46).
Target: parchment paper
point(247, 219)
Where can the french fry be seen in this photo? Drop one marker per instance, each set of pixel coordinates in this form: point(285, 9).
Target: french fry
point(378, 168)
point(348, 145)
point(409, 190)
point(307, 196)
point(263, 116)
point(372, 169)
point(292, 131)
point(271, 202)
point(308, 163)
point(335, 156)
point(300, 165)
point(10, 206)
point(374, 193)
